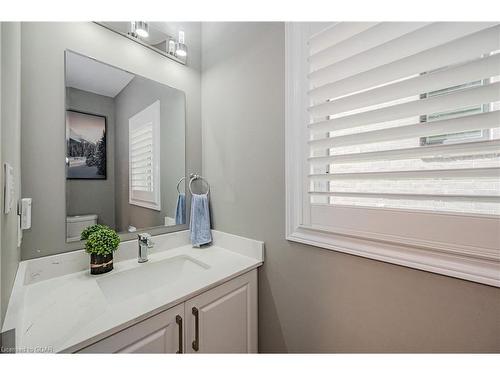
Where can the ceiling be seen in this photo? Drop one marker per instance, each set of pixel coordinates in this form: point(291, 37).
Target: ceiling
point(90, 75)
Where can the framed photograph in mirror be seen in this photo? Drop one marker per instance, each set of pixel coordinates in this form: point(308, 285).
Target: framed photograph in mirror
point(85, 146)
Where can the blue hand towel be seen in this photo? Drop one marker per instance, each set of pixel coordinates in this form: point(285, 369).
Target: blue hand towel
point(180, 210)
point(200, 220)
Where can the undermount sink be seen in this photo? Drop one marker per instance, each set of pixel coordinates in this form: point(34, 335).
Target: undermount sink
point(148, 276)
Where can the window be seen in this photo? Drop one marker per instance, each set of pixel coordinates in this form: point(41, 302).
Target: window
point(144, 158)
point(391, 163)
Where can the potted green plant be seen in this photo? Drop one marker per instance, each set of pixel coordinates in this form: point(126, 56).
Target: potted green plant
point(100, 243)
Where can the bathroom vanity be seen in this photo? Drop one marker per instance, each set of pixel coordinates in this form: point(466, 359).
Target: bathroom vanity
point(183, 300)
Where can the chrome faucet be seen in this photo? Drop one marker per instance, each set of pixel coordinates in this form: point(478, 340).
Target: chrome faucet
point(145, 243)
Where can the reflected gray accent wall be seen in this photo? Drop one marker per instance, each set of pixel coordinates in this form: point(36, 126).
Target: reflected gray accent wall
point(136, 96)
point(42, 98)
point(312, 299)
point(10, 152)
point(94, 196)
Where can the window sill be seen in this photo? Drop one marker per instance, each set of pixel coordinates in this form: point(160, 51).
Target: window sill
point(446, 262)
point(144, 204)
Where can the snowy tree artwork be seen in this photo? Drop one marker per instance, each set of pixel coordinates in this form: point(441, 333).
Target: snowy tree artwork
point(86, 145)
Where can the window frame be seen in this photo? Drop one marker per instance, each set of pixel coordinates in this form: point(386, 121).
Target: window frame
point(439, 254)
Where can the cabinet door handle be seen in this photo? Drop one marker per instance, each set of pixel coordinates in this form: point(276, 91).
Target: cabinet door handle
point(178, 320)
point(196, 343)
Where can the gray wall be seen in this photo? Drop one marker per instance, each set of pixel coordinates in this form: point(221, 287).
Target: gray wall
point(10, 152)
point(311, 299)
point(94, 196)
point(137, 95)
point(42, 99)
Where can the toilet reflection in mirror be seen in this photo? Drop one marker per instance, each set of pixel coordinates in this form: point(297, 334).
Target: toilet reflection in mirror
point(125, 149)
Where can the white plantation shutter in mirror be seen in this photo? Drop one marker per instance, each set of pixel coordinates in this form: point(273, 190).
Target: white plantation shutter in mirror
point(141, 158)
point(406, 115)
point(144, 183)
point(393, 142)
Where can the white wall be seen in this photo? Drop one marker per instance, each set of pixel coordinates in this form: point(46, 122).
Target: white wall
point(43, 46)
point(311, 299)
point(10, 151)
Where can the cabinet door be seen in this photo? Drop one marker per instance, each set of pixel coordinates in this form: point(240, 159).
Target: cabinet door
point(162, 333)
point(224, 319)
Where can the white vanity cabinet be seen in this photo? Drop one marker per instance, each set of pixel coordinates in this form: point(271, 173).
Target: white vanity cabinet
point(219, 320)
point(224, 319)
point(162, 333)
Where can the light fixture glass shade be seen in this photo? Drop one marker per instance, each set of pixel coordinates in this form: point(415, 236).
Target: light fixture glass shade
point(181, 50)
point(171, 46)
point(140, 28)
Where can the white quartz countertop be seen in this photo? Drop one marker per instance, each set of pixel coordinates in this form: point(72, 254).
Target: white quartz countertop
point(57, 305)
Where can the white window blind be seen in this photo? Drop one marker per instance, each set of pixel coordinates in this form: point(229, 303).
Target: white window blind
point(405, 116)
point(144, 184)
point(141, 158)
point(393, 143)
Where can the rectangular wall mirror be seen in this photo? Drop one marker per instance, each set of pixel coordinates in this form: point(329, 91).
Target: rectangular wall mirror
point(125, 150)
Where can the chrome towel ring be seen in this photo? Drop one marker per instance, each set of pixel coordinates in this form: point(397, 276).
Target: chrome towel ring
point(182, 179)
point(194, 176)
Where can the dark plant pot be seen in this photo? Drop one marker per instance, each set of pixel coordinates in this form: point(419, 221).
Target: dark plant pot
point(101, 263)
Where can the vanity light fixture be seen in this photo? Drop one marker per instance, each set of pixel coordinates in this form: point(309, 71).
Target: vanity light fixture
point(140, 28)
point(181, 49)
point(150, 36)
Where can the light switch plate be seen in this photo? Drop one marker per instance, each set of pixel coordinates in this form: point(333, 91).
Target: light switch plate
point(8, 187)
